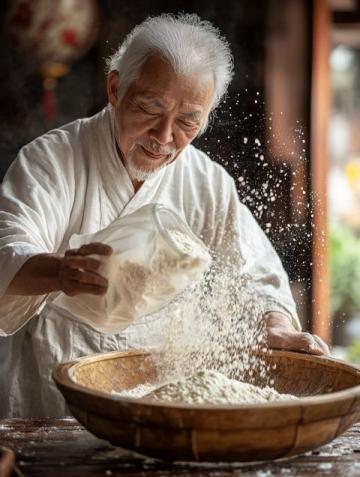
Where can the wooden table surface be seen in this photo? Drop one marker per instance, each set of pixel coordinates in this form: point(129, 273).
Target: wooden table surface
point(62, 447)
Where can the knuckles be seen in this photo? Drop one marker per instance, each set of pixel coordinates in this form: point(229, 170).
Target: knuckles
point(281, 337)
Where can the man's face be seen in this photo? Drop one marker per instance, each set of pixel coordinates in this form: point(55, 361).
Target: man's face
point(160, 114)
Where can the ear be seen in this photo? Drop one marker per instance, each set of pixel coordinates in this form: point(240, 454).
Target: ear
point(113, 87)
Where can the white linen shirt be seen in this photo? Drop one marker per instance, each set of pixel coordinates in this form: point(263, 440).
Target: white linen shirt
point(71, 180)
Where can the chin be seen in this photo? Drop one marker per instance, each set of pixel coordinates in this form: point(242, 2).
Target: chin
point(145, 163)
point(140, 170)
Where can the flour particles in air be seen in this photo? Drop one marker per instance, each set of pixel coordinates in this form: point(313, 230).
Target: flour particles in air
point(214, 347)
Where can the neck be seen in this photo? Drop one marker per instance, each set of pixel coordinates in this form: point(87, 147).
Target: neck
point(136, 184)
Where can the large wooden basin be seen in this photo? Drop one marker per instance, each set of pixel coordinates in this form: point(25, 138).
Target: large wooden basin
point(329, 403)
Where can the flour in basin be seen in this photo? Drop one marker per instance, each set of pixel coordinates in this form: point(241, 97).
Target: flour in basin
point(208, 387)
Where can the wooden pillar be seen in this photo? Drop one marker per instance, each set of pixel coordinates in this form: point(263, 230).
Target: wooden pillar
point(320, 110)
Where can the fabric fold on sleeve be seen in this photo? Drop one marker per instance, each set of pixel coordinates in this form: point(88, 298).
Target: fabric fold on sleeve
point(31, 222)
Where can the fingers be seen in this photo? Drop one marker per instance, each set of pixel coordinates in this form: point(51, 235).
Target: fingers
point(307, 343)
point(82, 263)
point(313, 344)
point(279, 338)
point(74, 281)
point(94, 248)
point(73, 288)
point(322, 345)
point(78, 272)
point(82, 276)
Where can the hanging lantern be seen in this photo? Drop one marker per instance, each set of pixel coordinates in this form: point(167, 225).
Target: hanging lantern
point(54, 35)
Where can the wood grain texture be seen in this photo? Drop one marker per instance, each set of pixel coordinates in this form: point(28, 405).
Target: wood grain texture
point(62, 447)
point(328, 404)
point(320, 114)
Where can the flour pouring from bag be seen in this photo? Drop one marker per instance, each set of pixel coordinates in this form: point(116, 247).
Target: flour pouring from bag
point(156, 256)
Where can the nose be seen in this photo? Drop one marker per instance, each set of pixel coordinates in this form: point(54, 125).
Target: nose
point(163, 131)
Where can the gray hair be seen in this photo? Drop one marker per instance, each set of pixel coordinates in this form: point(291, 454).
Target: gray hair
point(190, 45)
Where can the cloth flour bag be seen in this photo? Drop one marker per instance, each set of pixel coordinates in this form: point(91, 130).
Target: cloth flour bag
point(155, 257)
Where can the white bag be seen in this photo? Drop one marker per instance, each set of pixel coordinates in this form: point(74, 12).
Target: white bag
point(155, 257)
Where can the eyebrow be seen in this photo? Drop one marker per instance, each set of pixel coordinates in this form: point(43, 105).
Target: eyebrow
point(192, 116)
point(149, 100)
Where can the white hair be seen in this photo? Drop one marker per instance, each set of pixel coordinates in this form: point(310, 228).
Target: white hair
point(191, 46)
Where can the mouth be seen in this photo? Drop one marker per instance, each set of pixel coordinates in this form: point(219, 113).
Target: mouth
point(152, 155)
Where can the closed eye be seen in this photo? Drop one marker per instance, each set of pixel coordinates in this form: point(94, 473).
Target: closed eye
point(188, 125)
point(146, 111)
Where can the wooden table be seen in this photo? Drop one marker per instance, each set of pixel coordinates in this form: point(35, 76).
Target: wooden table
point(62, 447)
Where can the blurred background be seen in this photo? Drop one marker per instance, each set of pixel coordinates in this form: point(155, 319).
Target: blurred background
point(288, 131)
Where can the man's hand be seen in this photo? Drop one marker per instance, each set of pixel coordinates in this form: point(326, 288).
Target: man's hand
point(281, 334)
point(78, 273)
point(73, 273)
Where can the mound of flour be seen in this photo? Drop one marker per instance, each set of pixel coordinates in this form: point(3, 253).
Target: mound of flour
point(208, 387)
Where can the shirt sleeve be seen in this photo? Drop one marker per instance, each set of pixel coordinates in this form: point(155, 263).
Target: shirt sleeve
point(240, 234)
point(35, 203)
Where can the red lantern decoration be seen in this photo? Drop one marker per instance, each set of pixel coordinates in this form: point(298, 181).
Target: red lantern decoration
point(55, 34)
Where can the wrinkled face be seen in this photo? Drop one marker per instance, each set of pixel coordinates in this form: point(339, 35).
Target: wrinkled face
point(160, 114)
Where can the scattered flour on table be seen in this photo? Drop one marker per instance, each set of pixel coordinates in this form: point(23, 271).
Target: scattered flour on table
point(207, 387)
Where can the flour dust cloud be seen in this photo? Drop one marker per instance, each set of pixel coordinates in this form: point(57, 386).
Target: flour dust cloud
point(215, 340)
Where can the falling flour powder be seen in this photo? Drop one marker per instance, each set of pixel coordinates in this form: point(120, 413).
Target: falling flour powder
point(214, 344)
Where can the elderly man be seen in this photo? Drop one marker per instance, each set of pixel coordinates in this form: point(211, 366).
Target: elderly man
point(163, 83)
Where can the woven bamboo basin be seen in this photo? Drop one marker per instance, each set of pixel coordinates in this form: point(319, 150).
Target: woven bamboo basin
point(329, 402)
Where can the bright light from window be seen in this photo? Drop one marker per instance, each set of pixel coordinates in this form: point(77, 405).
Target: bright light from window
point(341, 58)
